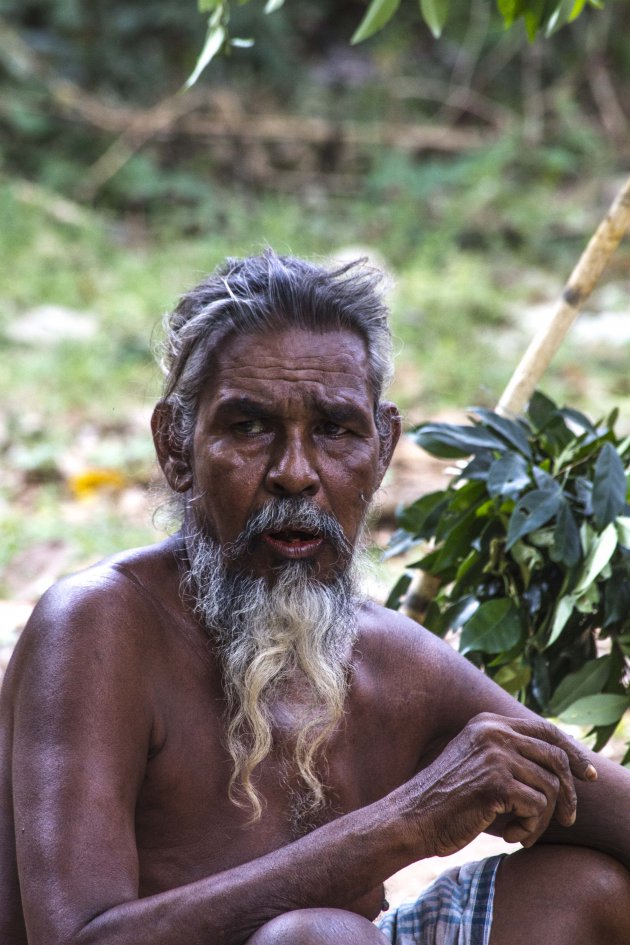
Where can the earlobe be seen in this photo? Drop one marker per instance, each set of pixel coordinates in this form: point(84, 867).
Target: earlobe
point(389, 426)
point(170, 454)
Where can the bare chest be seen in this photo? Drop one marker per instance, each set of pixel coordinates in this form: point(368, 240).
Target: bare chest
point(186, 825)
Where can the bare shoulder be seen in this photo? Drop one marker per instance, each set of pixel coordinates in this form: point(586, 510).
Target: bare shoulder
point(415, 668)
point(107, 612)
point(395, 644)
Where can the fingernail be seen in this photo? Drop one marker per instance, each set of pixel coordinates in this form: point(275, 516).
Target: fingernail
point(591, 773)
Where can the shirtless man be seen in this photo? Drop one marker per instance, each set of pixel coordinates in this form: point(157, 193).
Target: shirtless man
point(217, 740)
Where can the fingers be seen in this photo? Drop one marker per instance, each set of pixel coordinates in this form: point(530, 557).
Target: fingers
point(579, 760)
point(547, 768)
point(543, 763)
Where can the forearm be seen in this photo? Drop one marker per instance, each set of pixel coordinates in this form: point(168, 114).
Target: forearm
point(602, 813)
point(333, 866)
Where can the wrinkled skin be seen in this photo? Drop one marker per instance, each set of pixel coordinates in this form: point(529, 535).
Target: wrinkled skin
point(115, 823)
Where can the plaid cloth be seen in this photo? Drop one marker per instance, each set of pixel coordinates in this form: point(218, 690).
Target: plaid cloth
point(454, 910)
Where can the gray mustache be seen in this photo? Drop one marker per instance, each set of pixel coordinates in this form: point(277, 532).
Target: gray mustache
point(289, 513)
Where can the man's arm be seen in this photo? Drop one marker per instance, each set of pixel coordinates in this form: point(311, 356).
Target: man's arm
point(461, 692)
point(83, 716)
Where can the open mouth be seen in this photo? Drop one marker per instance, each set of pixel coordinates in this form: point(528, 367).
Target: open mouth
point(293, 542)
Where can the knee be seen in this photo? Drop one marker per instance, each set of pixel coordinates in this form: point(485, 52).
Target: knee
point(318, 927)
point(607, 887)
point(591, 889)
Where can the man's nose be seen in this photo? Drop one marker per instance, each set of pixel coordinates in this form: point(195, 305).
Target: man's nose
point(292, 470)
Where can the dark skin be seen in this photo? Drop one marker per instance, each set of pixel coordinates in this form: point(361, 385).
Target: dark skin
point(114, 815)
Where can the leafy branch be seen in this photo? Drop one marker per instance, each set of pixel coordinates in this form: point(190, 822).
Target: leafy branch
point(531, 545)
point(540, 17)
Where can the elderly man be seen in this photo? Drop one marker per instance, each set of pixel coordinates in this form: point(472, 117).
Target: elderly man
point(218, 740)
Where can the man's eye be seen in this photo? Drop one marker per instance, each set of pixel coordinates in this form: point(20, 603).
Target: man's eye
point(329, 428)
point(249, 427)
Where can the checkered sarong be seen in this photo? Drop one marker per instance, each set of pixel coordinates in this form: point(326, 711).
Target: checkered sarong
point(454, 910)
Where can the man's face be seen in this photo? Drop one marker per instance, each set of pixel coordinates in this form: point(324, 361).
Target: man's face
point(286, 415)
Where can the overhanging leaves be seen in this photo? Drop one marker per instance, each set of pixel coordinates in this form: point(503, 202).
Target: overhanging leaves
point(215, 40)
point(377, 15)
point(434, 13)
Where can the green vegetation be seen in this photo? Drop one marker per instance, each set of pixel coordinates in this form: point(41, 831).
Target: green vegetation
point(531, 544)
point(465, 249)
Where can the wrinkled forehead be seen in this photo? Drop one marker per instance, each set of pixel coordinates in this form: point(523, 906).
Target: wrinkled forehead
point(292, 362)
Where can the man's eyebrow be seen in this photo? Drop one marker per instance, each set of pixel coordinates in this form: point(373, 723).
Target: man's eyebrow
point(243, 405)
point(341, 412)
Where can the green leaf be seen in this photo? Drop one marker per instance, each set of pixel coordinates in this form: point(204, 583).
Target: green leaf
point(602, 709)
point(241, 42)
point(564, 609)
point(272, 5)
point(398, 591)
point(600, 553)
point(609, 486)
point(421, 517)
point(559, 17)
point(451, 441)
point(510, 10)
point(531, 512)
point(588, 602)
point(587, 681)
point(533, 17)
point(400, 542)
point(493, 628)
point(541, 410)
point(456, 546)
point(458, 614)
point(567, 548)
point(512, 431)
point(622, 524)
point(616, 599)
point(603, 734)
point(514, 677)
point(434, 14)
point(206, 6)
point(579, 419)
point(578, 6)
point(508, 475)
point(377, 15)
point(214, 42)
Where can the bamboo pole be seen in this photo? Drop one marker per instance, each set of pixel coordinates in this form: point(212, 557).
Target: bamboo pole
point(581, 283)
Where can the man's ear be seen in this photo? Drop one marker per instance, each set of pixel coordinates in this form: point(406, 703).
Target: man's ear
point(171, 455)
point(388, 424)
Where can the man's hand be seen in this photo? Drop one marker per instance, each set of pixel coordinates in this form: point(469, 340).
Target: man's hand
point(521, 769)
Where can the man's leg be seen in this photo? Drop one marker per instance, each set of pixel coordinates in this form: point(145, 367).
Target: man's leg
point(561, 895)
point(318, 927)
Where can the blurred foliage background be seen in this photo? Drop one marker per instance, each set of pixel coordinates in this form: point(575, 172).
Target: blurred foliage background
point(474, 169)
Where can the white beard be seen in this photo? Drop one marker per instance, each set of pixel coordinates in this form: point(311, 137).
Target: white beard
point(297, 631)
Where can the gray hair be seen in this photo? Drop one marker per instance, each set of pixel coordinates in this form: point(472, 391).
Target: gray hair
point(266, 293)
